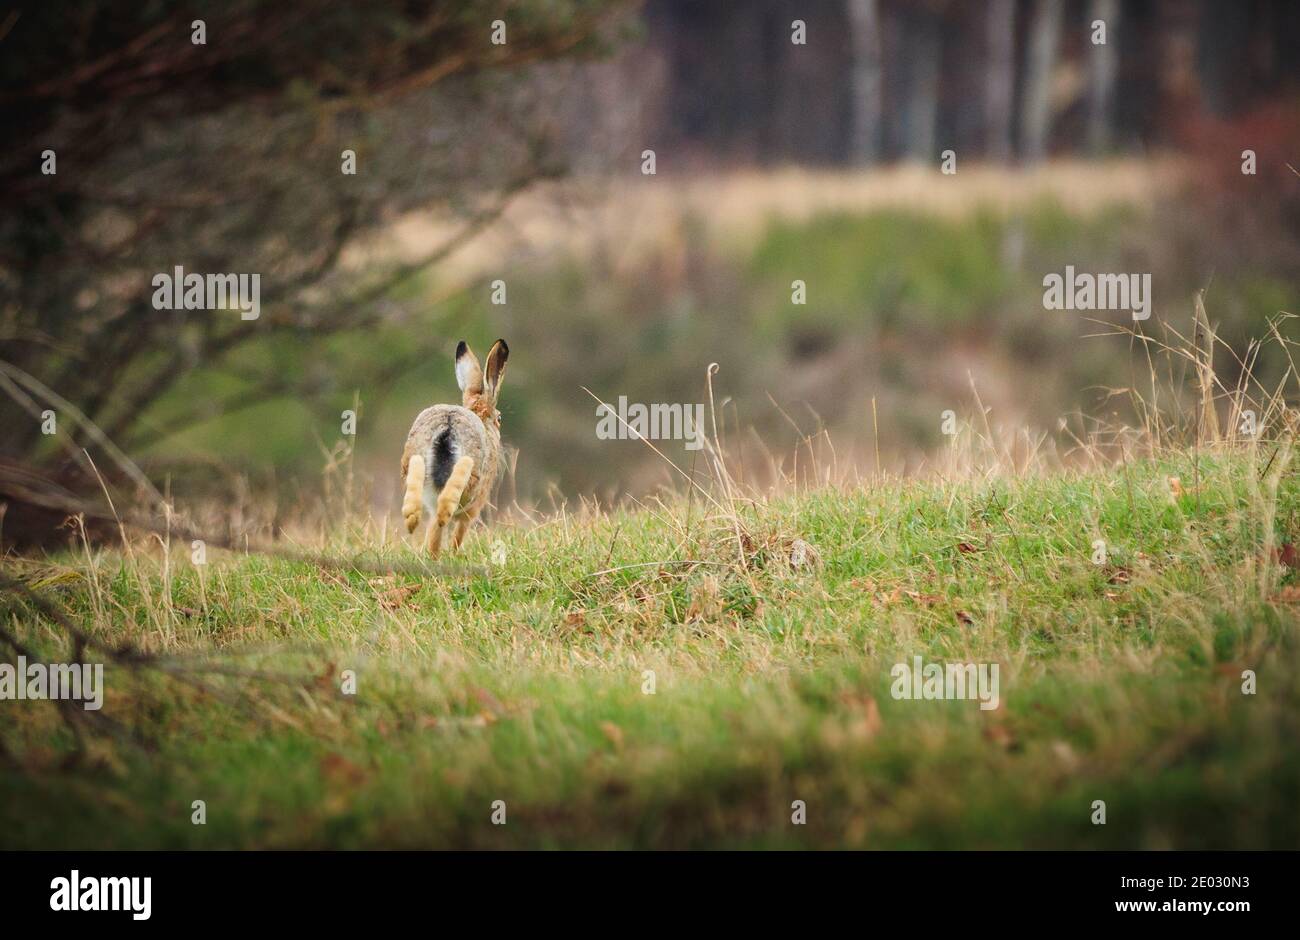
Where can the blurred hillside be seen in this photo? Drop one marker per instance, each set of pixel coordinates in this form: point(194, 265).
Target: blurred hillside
point(923, 291)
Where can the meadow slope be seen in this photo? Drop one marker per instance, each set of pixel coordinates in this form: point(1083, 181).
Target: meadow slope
point(768, 635)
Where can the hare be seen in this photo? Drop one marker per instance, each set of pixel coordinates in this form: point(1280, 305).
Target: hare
point(452, 453)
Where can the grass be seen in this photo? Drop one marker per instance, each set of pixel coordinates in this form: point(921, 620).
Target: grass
point(1120, 681)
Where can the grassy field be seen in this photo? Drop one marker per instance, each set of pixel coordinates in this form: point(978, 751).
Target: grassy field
point(916, 285)
point(767, 628)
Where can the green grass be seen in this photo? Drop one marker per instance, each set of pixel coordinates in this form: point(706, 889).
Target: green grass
point(1119, 682)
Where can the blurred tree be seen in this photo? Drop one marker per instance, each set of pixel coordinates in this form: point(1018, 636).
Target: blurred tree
point(1044, 43)
point(1000, 78)
point(225, 155)
point(1179, 97)
point(923, 38)
point(1011, 77)
point(865, 79)
point(1103, 65)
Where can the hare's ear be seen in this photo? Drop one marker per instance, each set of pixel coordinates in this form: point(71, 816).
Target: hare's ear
point(469, 375)
point(496, 366)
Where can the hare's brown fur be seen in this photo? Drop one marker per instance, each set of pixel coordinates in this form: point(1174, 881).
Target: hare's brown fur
point(453, 452)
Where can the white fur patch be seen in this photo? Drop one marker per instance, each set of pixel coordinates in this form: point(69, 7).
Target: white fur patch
point(465, 367)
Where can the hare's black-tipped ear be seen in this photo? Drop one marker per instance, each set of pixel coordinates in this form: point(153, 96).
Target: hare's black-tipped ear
point(496, 366)
point(469, 375)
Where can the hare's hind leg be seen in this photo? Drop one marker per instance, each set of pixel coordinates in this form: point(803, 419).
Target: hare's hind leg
point(411, 502)
point(462, 526)
point(433, 538)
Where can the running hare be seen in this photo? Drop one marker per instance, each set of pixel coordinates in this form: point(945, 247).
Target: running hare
point(451, 456)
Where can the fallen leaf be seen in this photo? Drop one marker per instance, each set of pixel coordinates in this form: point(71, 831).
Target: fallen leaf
point(1288, 595)
point(397, 597)
point(613, 732)
point(801, 554)
point(327, 677)
point(331, 576)
point(1001, 735)
point(338, 769)
point(966, 548)
point(1065, 754)
point(488, 700)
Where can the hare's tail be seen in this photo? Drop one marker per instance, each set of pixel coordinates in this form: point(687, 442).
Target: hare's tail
point(454, 488)
point(414, 488)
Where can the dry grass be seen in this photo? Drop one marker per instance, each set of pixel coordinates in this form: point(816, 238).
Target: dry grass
point(643, 215)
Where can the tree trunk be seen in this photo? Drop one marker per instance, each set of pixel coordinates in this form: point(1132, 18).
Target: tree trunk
point(1000, 77)
point(923, 87)
point(1103, 66)
point(1044, 41)
point(1177, 82)
point(865, 81)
